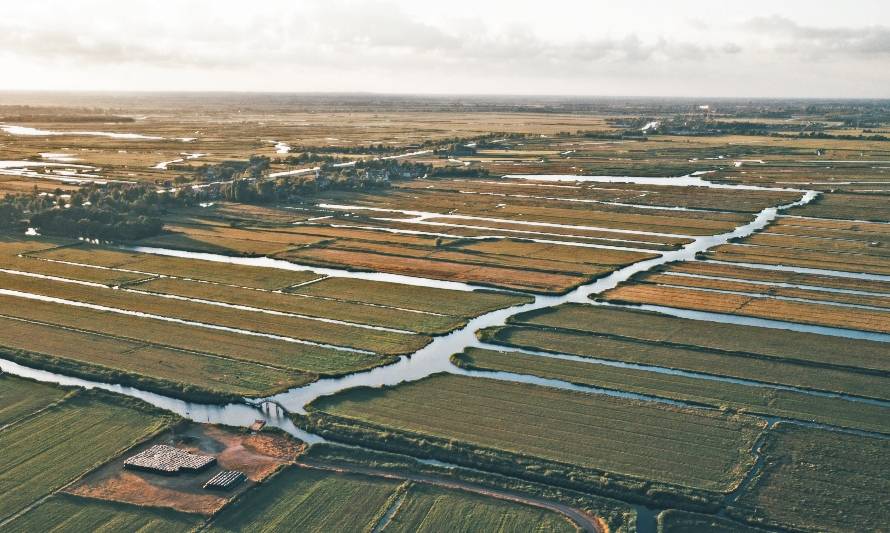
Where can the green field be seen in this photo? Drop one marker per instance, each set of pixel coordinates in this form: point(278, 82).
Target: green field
point(299, 499)
point(63, 513)
point(20, 397)
point(656, 327)
point(217, 272)
point(478, 419)
point(817, 480)
point(148, 366)
point(54, 447)
point(432, 509)
point(715, 394)
point(768, 370)
point(617, 514)
point(674, 521)
point(293, 303)
point(377, 341)
point(431, 300)
point(266, 351)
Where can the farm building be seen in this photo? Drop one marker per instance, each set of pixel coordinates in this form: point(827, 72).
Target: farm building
point(164, 459)
point(225, 480)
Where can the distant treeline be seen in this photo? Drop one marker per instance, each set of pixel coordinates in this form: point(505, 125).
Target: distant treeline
point(45, 118)
point(365, 174)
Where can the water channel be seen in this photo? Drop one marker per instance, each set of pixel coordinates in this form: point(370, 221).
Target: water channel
point(435, 357)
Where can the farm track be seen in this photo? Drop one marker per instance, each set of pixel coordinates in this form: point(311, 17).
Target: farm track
point(588, 523)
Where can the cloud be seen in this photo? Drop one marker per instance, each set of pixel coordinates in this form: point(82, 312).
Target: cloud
point(337, 34)
point(865, 41)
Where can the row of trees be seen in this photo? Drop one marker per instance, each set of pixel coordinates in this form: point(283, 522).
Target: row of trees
point(107, 212)
point(365, 174)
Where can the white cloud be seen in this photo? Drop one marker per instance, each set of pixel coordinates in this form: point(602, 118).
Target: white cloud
point(639, 47)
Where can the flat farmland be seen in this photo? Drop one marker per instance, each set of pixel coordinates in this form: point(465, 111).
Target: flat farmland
point(227, 240)
point(459, 228)
point(266, 351)
point(464, 304)
point(546, 211)
point(856, 230)
point(63, 270)
point(623, 193)
point(813, 281)
point(432, 509)
point(48, 450)
point(799, 256)
point(510, 278)
point(675, 521)
point(714, 394)
point(847, 206)
point(299, 499)
point(695, 359)
point(762, 290)
point(341, 335)
point(294, 303)
point(217, 272)
point(754, 306)
point(66, 513)
point(815, 480)
point(20, 397)
point(142, 364)
point(587, 431)
point(657, 328)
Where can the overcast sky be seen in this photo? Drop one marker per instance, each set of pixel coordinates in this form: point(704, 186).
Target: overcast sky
point(629, 48)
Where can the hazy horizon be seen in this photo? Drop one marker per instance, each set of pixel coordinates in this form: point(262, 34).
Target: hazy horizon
point(641, 49)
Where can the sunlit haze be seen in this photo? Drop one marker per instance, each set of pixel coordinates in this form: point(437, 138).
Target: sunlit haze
point(680, 48)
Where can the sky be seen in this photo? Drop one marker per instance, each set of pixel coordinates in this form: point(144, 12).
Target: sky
point(751, 48)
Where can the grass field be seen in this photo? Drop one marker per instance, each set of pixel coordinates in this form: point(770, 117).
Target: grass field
point(816, 480)
point(719, 395)
point(148, 366)
point(299, 499)
point(728, 270)
point(272, 352)
point(704, 451)
point(647, 195)
point(217, 272)
point(752, 306)
point(20, 397)
point(765, 291)
point(436, 268)
point(707, 361)
point(341, 335)
point(659, 328)
point(431, 509)
point(292, 303)
point(674, 521)
point(801, 257)
point(431, 300)
point(64, 513)
point(52, 448)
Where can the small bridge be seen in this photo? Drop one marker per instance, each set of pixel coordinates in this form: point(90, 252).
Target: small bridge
point(266, 405)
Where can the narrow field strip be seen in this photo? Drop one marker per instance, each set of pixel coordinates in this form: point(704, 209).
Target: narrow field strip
point(102, 355)
point(248, 322)
point(266, 351)
point(715, 394)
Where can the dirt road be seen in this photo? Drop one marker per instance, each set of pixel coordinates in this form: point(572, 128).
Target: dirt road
point(587, 522)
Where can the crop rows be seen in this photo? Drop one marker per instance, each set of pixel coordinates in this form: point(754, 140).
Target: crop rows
point(590, 431)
